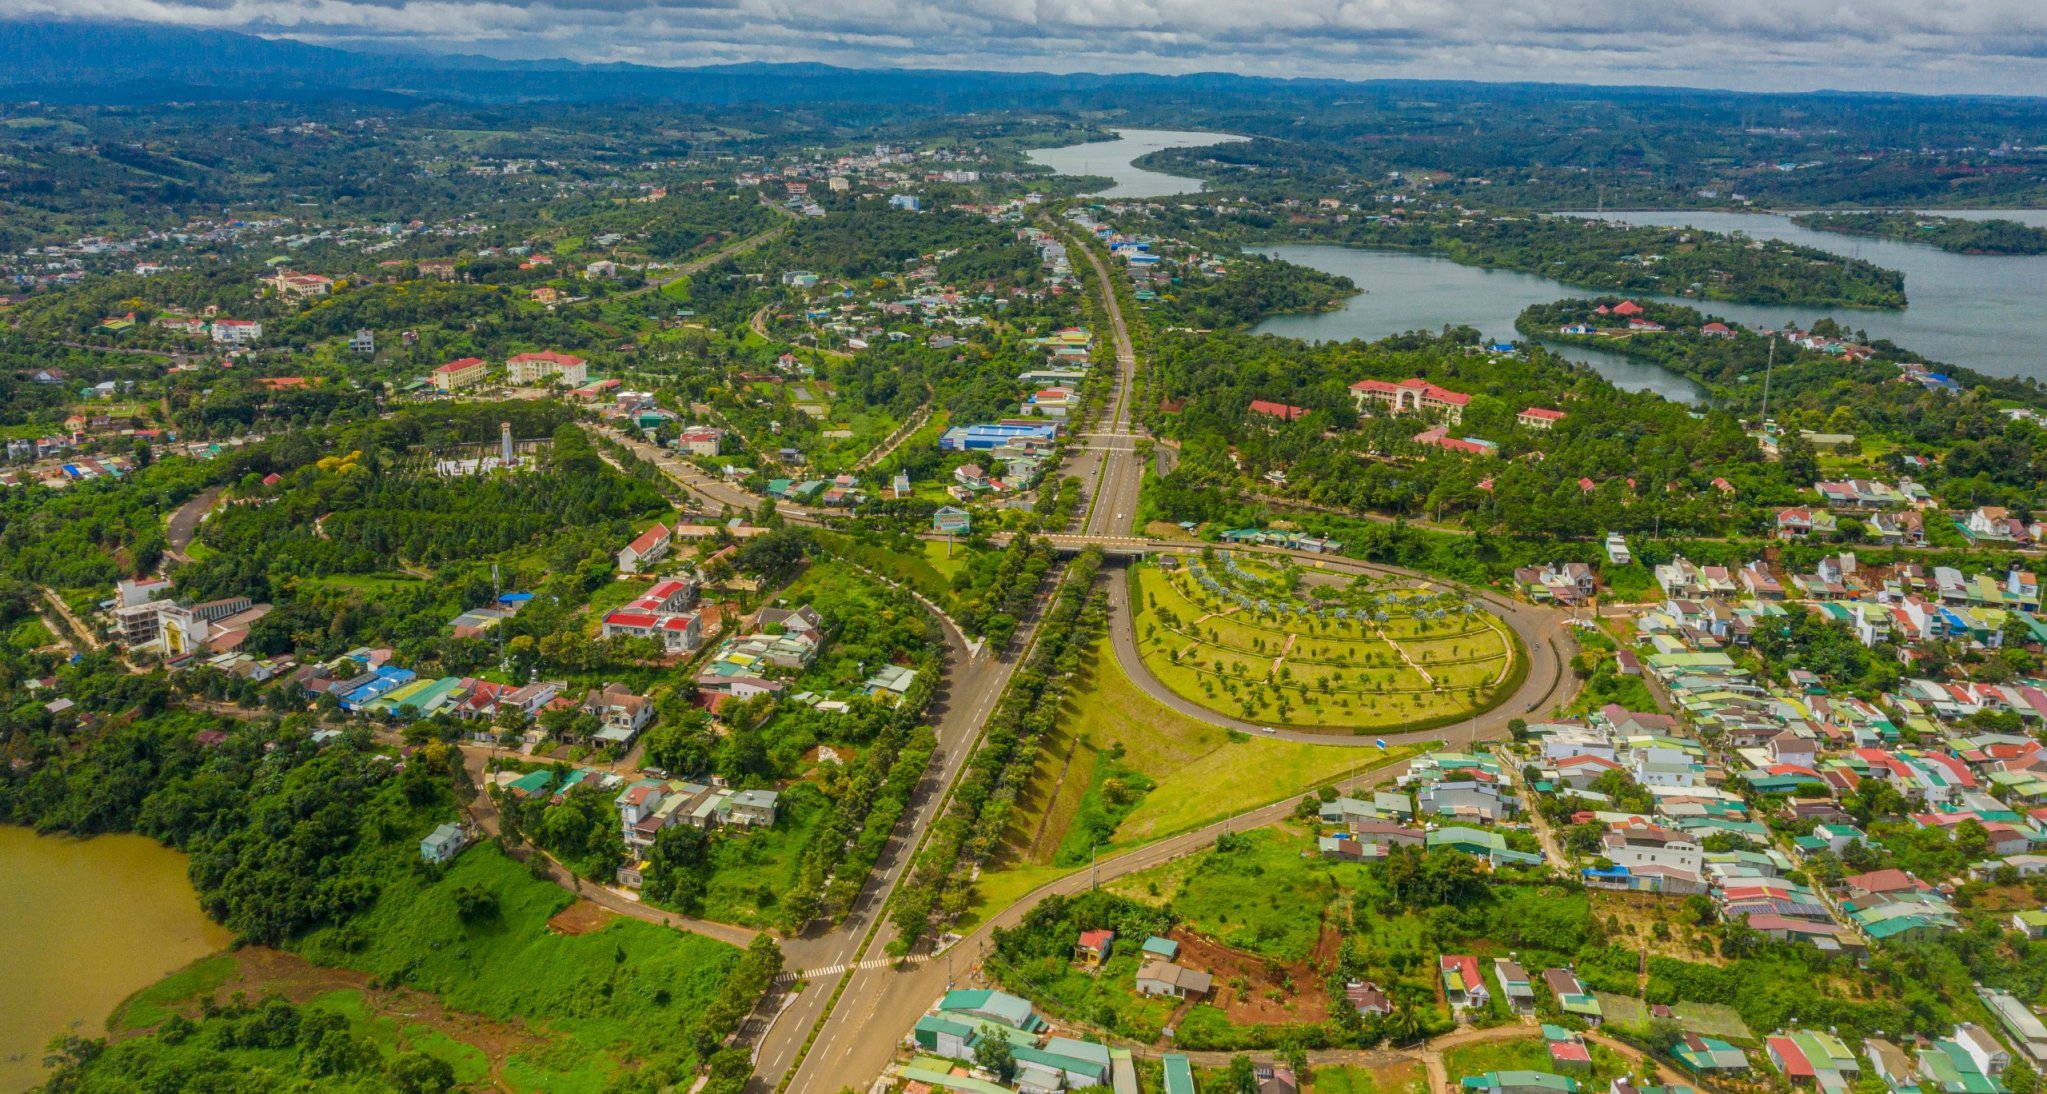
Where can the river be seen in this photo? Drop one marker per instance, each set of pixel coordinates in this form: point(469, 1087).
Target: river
point(1113, 160)
point(83, 925)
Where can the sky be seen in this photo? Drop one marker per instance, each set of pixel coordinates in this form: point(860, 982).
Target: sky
point(1937, 46)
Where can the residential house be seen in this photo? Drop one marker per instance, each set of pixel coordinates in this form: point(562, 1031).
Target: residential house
point(1514, 985)
point(1161, 977)
point(1464, 986)
point(1094, 946)
point(620, 713)
point(443, 843)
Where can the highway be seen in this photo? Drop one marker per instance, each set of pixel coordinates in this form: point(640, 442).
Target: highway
point(1110, 457)
point(974, 682)
point(881, 999)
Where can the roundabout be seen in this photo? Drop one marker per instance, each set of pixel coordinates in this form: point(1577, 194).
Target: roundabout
point(1272, 643)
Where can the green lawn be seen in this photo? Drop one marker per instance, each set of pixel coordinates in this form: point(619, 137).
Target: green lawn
point(1235, 777)
point(999, 888)
point(1200, 773)
point(1301, 672)
point(946, 559)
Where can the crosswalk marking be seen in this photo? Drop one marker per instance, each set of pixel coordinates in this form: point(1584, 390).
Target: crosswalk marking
point(834, 970)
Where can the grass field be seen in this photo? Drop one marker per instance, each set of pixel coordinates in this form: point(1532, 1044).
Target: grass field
point(617, 994)
point(1264, 898)
point(1528, 1054)
point(751, 870)
point(160, 1000)
point(1358, 1080)
point(1200, 774)
point(1300, 671)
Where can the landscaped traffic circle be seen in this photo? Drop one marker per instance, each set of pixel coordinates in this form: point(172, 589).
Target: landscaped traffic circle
point(1263, 640)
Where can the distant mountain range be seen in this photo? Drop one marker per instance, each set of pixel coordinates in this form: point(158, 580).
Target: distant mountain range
point(116, 62)
point(78, 60)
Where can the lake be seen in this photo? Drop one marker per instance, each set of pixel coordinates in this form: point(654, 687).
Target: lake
point(83, 925)
point(1977, 311)
point(1404, 291)
point(1113, 160)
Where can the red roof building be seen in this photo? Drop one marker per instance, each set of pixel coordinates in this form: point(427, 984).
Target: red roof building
point(1414, 394)
point(1282, 411)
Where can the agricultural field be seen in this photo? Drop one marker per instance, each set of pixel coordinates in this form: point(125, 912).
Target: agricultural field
point(1243, 639)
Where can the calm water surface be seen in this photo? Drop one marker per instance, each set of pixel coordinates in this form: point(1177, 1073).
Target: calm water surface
point(1983, 312)
point(1978, 311)
point(1112, 159)
point(83, 925)
point(1405, 291)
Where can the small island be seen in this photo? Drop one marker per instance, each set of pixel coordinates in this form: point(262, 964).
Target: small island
point(1955, 234)
point(1601, 255)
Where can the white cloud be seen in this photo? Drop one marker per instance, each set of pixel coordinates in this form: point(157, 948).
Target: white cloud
point(1929, 45)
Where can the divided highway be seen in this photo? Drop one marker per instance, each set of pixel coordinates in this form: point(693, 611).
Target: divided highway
point(855, 1005)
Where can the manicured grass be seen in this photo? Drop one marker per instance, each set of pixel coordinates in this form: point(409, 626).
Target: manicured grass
point(160, 1000)
point(998, 889)
point(1239, 776)
point(1203, 772)
point(945, 564)
point(1295, 671)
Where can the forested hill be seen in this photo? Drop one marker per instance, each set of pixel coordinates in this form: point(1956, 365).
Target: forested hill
point(1962, 236)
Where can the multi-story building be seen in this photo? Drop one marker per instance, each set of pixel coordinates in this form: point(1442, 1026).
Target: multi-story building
point(460, 373)
point(538, 368)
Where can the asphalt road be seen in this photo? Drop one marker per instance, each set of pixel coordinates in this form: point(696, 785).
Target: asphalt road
point(882, 1004)
point(708, 489)
point(974, 682)
point(184, 523)
point(1117, 473)
point(1544, 639)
